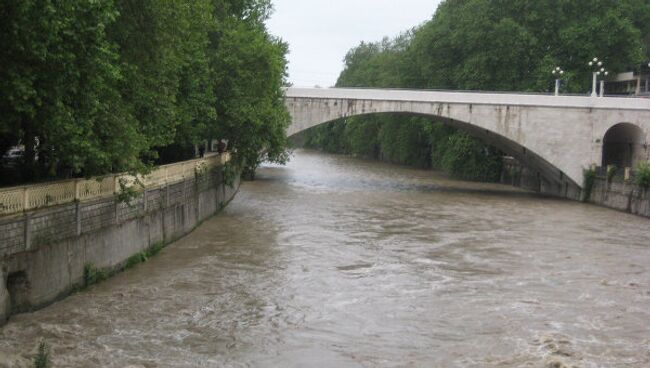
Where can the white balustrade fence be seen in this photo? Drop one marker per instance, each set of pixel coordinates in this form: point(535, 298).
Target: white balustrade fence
point(18, 199)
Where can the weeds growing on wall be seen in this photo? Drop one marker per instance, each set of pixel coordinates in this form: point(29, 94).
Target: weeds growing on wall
point(588, 184)
point(643, 175)
point(611, 172)
point(129, 192)
point(144, 255)
point(230, 172)
point(93, 275)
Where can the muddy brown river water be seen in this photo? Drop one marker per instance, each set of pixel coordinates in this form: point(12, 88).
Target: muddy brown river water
point(333, 261)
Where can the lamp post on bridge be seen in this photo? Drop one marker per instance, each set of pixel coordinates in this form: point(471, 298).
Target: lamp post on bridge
point(558, 73)
point(604, 73)
point(598, 70)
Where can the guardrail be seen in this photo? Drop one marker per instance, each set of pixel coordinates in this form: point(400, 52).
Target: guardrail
point(24, 198)
point(476, 91)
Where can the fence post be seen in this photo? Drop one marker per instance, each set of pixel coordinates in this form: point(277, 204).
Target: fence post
point(28, 231)
point(166, 195)
point(78, 217)
point(76, 190)
point(26, 199)
point(144, 199)
point(628, 173)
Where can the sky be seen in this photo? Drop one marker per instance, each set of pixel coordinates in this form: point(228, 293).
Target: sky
point(321, 32)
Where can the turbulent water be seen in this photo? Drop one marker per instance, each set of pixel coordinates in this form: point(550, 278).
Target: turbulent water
point(337, 262)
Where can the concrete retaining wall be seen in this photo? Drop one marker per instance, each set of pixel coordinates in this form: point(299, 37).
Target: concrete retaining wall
point(43, 253)
point(622, 196)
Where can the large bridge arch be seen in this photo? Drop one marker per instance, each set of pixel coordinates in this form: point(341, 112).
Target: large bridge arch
point(552, 179)
point(558, 136)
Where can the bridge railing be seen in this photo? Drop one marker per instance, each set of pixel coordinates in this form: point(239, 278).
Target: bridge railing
point(522, 93)
point(24, 198)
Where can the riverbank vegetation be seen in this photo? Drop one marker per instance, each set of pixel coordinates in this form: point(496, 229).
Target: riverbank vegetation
point(481, 45)
point(97, 87)
point(42, 358)
point(643, 175)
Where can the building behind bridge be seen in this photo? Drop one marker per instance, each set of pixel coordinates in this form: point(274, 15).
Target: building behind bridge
point(633, 83)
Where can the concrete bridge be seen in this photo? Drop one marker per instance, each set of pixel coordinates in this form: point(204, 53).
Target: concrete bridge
point(558, 136)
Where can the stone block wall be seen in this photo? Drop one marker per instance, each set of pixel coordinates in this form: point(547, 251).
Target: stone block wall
point(621, 195)
point(43, 253)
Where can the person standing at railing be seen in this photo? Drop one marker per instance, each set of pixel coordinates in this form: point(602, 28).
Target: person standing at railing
point(222, 146)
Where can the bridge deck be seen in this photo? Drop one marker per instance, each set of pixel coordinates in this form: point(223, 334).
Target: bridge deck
point(476, 98)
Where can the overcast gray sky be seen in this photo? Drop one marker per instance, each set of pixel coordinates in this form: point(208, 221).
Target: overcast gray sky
point(320, 32)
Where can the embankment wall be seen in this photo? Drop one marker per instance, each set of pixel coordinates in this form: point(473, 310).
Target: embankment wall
point(43, 253)
point(621, 195)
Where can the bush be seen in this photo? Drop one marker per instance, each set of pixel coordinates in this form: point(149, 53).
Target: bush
point(643, 175)
point(611, 172)
point(93, 275)
point(144, 256)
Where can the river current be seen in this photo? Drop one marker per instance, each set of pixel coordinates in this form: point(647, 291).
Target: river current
point(333, 261)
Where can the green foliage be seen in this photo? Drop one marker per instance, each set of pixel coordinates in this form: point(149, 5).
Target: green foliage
point(589, 178)
point(511, 45)
point(611, 172)
point(135, 260)
point(467, 158)
point(328, 137)
point(642, 178)
point(362, 134)
point(250, 68)
point(58, 87)
point(93, 275)
point(42, 358)
point(403, 140)
point(144, 255)
point(94, 87)
point(230, 171)
point(129, 192)
point(155, 249)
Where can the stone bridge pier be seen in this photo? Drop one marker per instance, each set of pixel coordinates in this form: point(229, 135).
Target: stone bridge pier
point(556, 136)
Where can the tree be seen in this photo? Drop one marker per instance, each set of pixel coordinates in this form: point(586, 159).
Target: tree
point(57, 88)
point(250, 70)
point(93, 87)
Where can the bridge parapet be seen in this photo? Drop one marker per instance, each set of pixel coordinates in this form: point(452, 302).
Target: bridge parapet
point(472, 97)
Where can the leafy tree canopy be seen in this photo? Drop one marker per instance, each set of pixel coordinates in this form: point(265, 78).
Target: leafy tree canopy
point(93, 87)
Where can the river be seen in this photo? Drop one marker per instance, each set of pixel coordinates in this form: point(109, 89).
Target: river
point(333, 261)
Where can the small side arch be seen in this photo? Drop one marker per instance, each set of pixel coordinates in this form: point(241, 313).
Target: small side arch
point(624, 145)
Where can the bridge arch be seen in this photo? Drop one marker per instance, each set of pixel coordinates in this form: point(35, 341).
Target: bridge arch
point(624, 145)
point(551, 179)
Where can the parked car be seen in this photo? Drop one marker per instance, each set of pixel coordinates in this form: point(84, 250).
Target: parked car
point(13, 156)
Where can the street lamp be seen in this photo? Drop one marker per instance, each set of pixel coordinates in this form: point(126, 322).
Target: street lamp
point(598, 64)
point(558, 73)
point(604, 73)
